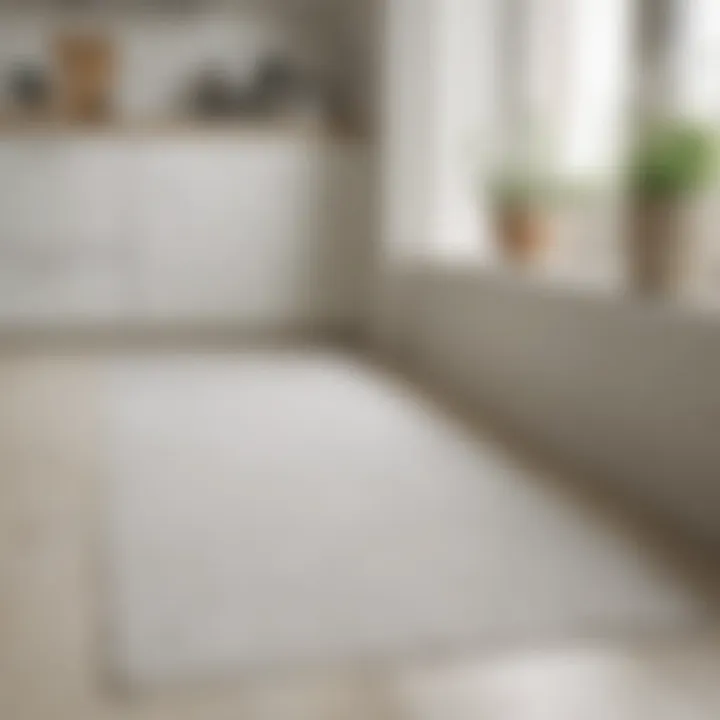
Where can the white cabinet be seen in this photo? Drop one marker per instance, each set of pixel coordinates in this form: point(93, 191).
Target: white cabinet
point(230, 229)
point(61, 217)
point(259, 231)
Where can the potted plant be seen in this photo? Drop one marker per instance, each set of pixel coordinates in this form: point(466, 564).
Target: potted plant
point(523, 205)
point(672, 163)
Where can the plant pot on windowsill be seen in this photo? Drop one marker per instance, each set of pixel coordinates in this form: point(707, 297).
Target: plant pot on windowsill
point(662, 245)
point(525, 218)
point(523, 231)
point(671, 165)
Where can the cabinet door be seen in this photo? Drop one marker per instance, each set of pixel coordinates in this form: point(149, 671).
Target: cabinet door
point(61, 218)
point(230, 230)
point(180, 211)
point(278, 234)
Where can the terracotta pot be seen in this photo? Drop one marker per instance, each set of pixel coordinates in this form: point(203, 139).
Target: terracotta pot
point(524, 233)
point(663, 235)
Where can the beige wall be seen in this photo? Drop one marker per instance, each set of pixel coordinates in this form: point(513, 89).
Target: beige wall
point(630, 392)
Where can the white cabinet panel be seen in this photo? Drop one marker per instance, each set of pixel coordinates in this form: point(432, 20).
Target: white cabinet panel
point(265, 231)
point(31, 176)
point(231, 230)
point(62, 219)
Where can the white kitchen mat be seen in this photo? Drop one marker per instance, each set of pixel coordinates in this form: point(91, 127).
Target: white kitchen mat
point(280, 508)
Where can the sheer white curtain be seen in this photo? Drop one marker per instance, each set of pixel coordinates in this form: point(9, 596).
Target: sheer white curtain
point(696, 53)
point(458, 74)
point(408, 122)
point(465, 65)
point(594, 96)
point(598, 43)
point(697, 57)
point(561, 64)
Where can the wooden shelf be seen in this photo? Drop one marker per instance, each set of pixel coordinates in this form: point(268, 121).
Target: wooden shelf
point(12, 128)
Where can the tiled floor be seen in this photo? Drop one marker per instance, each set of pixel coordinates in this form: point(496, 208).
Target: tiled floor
point(52, 470)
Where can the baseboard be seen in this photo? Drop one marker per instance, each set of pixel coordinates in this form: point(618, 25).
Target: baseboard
point(191, 335)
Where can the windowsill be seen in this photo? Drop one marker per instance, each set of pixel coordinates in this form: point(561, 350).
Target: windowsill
point(607, 289)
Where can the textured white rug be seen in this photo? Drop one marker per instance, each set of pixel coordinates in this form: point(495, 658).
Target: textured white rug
point(298, 507)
